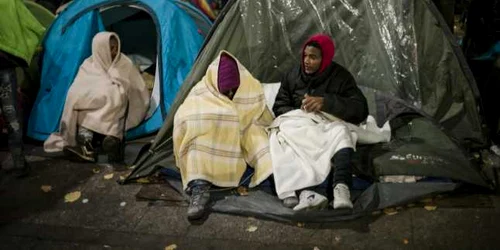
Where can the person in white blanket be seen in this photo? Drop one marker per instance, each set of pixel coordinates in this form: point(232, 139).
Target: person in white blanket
point(316, 89)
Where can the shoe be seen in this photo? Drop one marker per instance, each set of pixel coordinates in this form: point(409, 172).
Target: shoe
point(341, 197)
point(111, 146)
point(311, 200)
point(82, 152)
point(291, 201)
point(21, 168)
point(198, 201)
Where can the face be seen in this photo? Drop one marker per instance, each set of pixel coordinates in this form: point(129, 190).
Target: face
point(312, 59)
point(113, 46)
point(230, 93)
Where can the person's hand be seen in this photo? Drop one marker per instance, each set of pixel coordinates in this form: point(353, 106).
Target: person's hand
point(312, 103)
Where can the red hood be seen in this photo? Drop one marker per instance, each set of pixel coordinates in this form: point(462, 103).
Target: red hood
point(327, 50)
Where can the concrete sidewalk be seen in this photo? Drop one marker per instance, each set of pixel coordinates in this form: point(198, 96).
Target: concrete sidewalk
point(112, 219)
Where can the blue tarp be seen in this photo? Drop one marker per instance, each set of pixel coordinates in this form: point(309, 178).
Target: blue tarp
point(68, 43)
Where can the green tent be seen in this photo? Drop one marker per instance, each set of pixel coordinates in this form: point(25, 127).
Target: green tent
point(404, 58)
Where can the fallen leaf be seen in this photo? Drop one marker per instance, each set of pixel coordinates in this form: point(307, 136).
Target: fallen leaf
point(406, 241)
point(142, 180)
point(85, 201)
point(108, 176)
point(427, 200)
point(316, 248)
point(171, 247)
point(243, 191)
point(122, 178)
point(46, 188)
point(390, 211)
point(300, 224)
point(430, 208)
point(122, 204)
point(252, 229)
point(96, 170)
point(72, 197)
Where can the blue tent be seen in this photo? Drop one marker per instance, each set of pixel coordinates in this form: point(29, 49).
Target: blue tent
point(177, 31)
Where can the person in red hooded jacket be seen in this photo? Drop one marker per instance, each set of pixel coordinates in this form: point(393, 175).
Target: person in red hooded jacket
point(319, 84)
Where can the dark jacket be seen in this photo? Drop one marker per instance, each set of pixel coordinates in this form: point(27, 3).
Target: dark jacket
point(8, 61)
point(342, 98)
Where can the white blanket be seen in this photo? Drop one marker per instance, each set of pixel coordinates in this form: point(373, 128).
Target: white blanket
point(302, 145)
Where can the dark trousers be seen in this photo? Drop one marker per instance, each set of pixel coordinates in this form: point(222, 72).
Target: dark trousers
point(342, 169)
point(11, 114)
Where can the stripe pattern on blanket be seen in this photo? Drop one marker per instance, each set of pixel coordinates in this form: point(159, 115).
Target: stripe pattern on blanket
point(302, 145)
point(215, 137)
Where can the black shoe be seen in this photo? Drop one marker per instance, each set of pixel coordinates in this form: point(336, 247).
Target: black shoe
point(112, 147)
point(20, 168)
point(22, 172)
point(83, 152)
point(198, 202)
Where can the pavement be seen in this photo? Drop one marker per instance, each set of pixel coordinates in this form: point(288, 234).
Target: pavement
point(108, 216)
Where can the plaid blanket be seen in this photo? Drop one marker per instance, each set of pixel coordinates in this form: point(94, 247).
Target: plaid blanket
point(215, 137)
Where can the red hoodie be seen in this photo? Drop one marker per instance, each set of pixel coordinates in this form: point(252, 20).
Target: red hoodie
point(327, 50)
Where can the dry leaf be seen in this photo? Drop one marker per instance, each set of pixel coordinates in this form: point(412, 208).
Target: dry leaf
point(96, 170)
point(316, 248)
point(122, 177)
point(406, 241)
point(300, 224)
point(430, 208)
point(252, 229)
point(122, 204)
point(108, 176)
point(171, 247)
point(142, 180)
point(427, 200)
point(84, 201)
point(243, 191)
point(46, 188)
point(72, 197)
point(390, 211)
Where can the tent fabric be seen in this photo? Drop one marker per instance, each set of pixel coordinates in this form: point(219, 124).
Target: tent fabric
point(21, 31)
point(68, 41)
point(408, 67)
point(393, 48)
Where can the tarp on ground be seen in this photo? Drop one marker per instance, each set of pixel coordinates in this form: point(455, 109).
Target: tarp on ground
point(404, 59)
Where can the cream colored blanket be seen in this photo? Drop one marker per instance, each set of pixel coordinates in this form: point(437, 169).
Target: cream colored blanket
point(98, 97)
point(215, 137)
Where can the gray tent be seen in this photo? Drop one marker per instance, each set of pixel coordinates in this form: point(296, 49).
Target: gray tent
point(404, 58)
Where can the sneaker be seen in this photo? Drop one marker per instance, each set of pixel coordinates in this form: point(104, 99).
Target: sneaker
point(341, 197)
point(291, 201)
point(82, 152)
point(311, 200)
point(198, 202)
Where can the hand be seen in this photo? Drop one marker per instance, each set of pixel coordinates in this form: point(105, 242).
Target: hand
point(312, 103)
